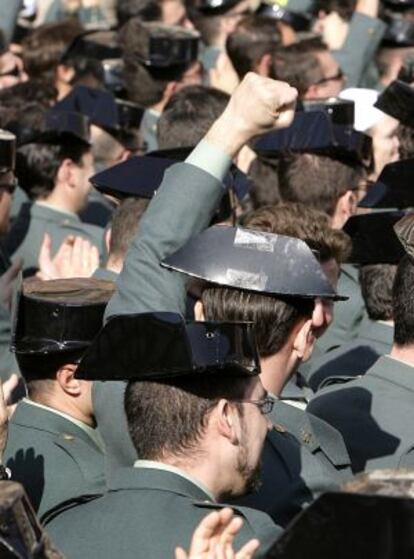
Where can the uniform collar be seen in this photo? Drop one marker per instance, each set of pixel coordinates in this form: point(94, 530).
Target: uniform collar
point(394, 371)
point(376, 331)
point(168, 468)
point(158, 479)
point(50, 419)
point(43, 209)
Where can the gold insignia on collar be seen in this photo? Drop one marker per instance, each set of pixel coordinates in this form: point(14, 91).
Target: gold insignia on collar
point(68, 437)
point(279, 428)
point(306, 437)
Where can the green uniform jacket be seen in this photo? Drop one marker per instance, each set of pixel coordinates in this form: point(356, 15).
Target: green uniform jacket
point(353, 358)
point(357, 54)
point(303, 457)
point(54, 459)
point(145, 515)
point(26, 235)
point(8, 364)
point(374, 413)
point(348, 314)
point(183, 207)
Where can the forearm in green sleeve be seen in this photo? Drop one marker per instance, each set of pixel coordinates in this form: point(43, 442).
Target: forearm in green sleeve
point(364, 36)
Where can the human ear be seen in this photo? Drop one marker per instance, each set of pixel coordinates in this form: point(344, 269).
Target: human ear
point(67, 381)
point(199, 311)
point(227, 421)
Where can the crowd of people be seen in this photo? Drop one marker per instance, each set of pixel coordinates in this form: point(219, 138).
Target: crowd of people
point(206, 278)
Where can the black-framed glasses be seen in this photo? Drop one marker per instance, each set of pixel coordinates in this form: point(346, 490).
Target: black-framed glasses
point(265, 405)
point(338, 76)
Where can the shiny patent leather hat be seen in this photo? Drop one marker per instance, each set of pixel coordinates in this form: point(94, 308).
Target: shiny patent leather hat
point(161, 345)
point(255, 261)
point(7, 151)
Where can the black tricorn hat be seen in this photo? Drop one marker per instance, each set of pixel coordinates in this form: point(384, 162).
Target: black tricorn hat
point(97, 44)
point(169, 47)
point(394, 187)
point(156, 346)
point(340, 111)
point(374, 240)
point(344, 525)
point(399, 31)
point(54, 316)
point(56, 127)
point(314, 132)
point(7, 151)
point(397, 100)
point(104, 110)
point(298, 21)
point(253, 260)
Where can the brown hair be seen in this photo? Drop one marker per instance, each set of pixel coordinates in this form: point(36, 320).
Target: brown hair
point(253, 37)
point(44, 47)
point(125, 223)
point(316, 181)
point(274, 317)
point(170, 417)
point(300, 70)
point(309, 225)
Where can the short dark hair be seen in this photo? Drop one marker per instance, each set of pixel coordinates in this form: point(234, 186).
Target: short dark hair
point(376, 286)
point(33, 91)
point(146, 10)
point(253, 37)
point(345, 8)
point(274, 317)
point(188, 116)
point(37, 165)
point(169, 417)
point(125, 223)
point(317, 181)
point(310, 225)
point(300, 70)
point(265, 178)
point(208, 27)
point(145, 86)
point(403, 302)
point(406, 137)
point(44, 47)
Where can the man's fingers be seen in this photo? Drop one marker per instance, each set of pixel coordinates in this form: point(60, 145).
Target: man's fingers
point(248, 550)
point(180, 553)
point(231, 530)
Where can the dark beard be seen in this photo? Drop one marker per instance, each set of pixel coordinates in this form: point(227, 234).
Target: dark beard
point(251, 476)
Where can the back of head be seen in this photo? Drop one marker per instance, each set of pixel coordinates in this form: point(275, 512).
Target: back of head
point(145, 85)
point(169, 418)
point(376, 286)
point(298, 69)
point(146, 10)
point(44, 47)
point(403, 302)
point(316, 181)
point(305, 223)
point(125, 223)
point(253, 37)
point(265, 177)
point(274, 317)
point(345, 8)
point(188, 116)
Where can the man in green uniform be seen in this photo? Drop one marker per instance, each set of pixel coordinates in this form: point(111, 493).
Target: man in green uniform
point(196, 412)
point(374, 412)
point(54, 167)
point(377, 250)
point(53, 448)
point(184, 207)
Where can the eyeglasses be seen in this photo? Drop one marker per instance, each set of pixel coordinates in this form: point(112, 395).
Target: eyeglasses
point(338, 76)
point(265, 405)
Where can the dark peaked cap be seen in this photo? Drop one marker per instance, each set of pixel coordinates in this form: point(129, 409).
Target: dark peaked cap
point(394, 187)
point(153, 346)
point(374, 240)
point(255, 261)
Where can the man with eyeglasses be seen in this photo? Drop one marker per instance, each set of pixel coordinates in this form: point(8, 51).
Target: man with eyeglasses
point(196, 412)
